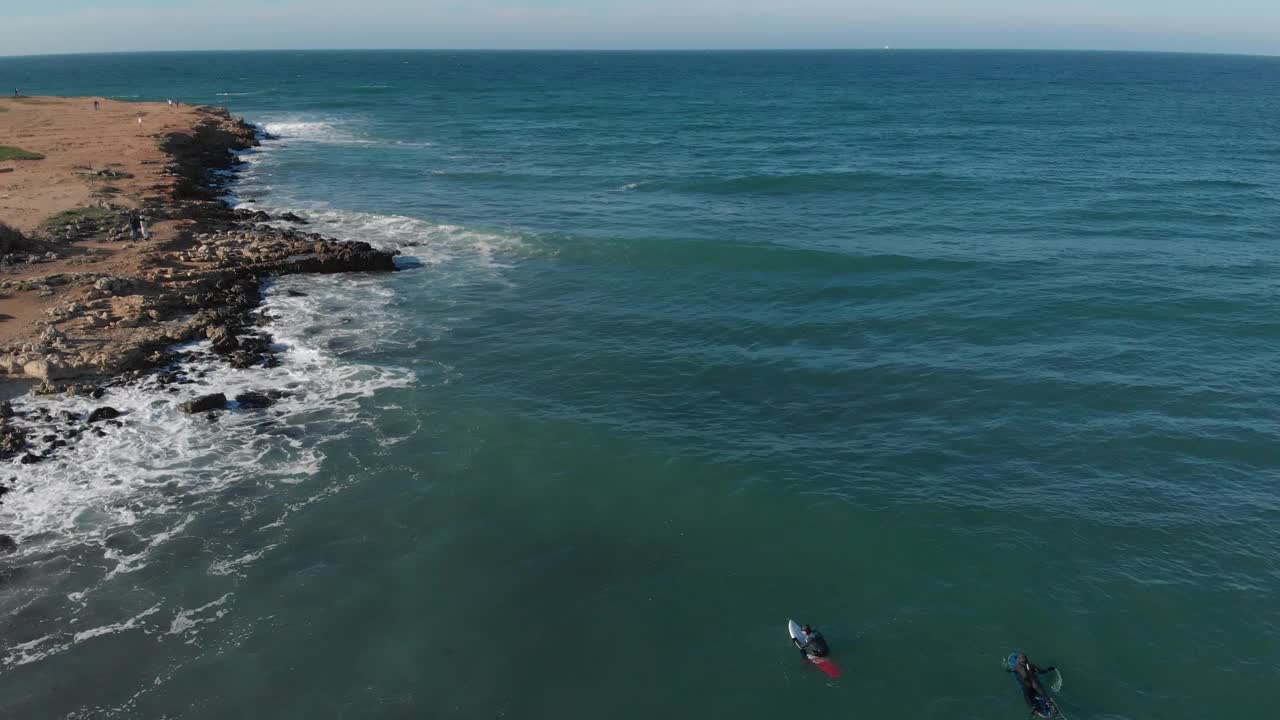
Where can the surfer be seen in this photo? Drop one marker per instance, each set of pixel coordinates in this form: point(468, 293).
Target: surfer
point(1028, 676)
point(813, 645)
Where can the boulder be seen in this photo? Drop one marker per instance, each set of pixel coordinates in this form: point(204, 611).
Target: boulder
point(254, 399)
point(215, 401)
point(290, 217)
point(7, 544)
point(105, 412)
point(46, 369)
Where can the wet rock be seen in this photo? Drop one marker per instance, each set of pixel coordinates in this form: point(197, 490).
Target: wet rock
point(106, 412)
point(12, 439)
point(30, 459)
point(7, 544)
point(290, 217)
point(295, 293)
point(254, 399)
point(6, 410)
point(215, 401)
point(223, 339)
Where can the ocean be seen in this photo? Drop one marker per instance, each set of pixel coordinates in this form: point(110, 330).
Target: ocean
point(946, 353)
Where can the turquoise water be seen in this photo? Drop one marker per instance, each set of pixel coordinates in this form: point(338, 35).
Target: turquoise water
point(947, 353)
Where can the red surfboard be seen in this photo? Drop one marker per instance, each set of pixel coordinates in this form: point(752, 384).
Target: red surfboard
point(826, 665)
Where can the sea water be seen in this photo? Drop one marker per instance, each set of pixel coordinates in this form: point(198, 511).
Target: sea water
point(946, 353)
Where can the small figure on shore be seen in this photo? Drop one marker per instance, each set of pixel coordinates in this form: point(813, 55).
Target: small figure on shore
point(139, 118)
point(135, 225)
point(17, 92)
point(142, 226)
point(95, 106)
point(170, 102)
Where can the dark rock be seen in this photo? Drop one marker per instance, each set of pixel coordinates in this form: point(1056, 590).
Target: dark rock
point(290, 217)
point(12, 439)
point(223, 339)
point(58, 443)
point(6, 410)
point(105, 412)
point(48, 438)
point(68, 416)
point(295, 293)
point(254, 399)
point(214, 401)
point(30, 459)
point(7, 545)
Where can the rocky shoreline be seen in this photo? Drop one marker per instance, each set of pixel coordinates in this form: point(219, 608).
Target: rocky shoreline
point(200, 278)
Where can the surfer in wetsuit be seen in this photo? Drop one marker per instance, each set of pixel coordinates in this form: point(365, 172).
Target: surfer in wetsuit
point(813, 645)
point(1028, 676)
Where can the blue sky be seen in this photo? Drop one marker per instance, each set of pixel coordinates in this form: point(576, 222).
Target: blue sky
point(55, 26)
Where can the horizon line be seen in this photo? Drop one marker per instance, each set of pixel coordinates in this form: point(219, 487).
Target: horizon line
point(886, 48)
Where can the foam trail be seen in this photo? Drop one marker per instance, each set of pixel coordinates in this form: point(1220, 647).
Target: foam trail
point(314, 131)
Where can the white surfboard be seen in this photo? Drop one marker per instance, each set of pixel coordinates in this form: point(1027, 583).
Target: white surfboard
point(826, 665)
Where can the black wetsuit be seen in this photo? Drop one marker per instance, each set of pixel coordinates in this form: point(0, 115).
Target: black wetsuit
point(813, 645)
point(1028, 677)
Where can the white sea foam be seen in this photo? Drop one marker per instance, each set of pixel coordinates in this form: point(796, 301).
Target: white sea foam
point(314, 131)
point(160, 458)
point(114, 504)
point(187, 620)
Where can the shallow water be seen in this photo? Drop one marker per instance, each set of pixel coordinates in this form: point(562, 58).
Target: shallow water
point(946, 353)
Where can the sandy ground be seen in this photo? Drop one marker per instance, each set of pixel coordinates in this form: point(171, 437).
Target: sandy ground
point(78, 142)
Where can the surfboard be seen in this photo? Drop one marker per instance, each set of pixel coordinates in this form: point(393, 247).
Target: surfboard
point(826, 665)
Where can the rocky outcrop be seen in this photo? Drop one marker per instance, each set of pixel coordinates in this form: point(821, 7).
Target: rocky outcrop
point(199, 154)
point(204, 403)
point(105, 412)
point(204, 285)
point(253, 400)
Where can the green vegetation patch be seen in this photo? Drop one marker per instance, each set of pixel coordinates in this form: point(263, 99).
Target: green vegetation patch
point(85, 215)
point(8, 152)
